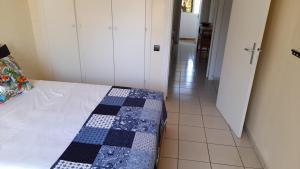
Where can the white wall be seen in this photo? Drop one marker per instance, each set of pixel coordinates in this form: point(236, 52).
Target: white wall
point(197, 6)
point(161, 34)
point(189, 25)
point(219, 39)
point(40, 36)
point(16, 32)
point(274, 112)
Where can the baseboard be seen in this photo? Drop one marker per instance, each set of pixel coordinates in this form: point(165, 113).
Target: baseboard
point(257, 151)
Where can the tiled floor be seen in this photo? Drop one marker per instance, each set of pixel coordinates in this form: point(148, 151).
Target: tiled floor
point(197, 136)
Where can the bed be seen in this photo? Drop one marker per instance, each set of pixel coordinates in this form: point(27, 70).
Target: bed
point(64, 125)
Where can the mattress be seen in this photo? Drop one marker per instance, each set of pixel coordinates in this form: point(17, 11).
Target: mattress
point(68, 125)
point(37, 127)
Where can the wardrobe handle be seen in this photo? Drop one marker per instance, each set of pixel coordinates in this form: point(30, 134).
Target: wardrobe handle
point(115, 28)
point(110, 28)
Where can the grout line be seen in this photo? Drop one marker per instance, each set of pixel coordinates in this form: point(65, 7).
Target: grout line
point(209, 156)
point(178, 123)
point(237, 150)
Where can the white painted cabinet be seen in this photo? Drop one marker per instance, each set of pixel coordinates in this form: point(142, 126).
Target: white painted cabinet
point(94, 19)
point(62, 39)
point(97, 41)
point(129, 42)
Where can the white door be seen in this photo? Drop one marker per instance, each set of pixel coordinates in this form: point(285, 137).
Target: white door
point(129, 42)
point(62, 38)
point(245, 33)
point(94, 20)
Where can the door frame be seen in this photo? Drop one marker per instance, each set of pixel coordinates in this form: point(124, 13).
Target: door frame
point(168, 42)
point(214, 44)
point(214, 54)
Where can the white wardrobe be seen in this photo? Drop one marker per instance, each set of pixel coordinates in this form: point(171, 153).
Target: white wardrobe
point(97, 41)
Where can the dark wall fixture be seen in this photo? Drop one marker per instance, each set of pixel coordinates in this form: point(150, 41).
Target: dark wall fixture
point(296, 53)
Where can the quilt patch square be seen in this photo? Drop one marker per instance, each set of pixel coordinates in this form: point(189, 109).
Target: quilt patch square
point(150, 114)
point(100, 121)
point(119, 138)
point(62, 164)
point(134, 102)
point(147, 126)
point(153, 104)
point(146, 94)
point(155, 95)
point(138, 93)
point(141, 160)
point(81, 153)
point(130, 112)
point(119, 92)
point(107, 110)
point(112, 157)
point(124, 123)
point(115, 101)
point(91, 135)
point(144, 142)
point(127, 118)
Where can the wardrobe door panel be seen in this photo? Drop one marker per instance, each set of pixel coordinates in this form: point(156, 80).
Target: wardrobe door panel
point(62, 38)
point(94, 20)
point(129, 42)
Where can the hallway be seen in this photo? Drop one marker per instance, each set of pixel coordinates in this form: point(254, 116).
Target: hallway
point(197, 136)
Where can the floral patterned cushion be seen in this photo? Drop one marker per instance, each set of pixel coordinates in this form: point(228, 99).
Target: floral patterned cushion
point(12, 79)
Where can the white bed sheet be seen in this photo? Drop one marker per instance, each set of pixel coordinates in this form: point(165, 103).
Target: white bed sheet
point(36, 127)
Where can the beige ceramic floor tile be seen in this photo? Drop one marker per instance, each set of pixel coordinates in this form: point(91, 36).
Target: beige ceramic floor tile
point(224, 155)
point(219, 166)
point(208, 100)
point(173, 91)
point(184, 164)
point(210, 111)
point(173, 94)
point(173, 118)
point(172, 106)
point(167, 163)
point(187, 99)
point(244, 141)
point(249, 157)
point(207, 88)
point(223, 137)
point(188, 85)
point(207, 93)
point(207, 103)
point(215, 123)
point(195, 134)
point(169, 148)
point(188, 91)
point(193, 151)
point(191, 120)
point(187, 108)
point(171, 131)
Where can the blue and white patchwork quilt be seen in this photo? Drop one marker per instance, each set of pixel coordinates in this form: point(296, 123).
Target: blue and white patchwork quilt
point(121, 133)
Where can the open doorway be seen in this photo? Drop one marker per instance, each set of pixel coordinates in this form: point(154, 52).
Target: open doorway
point(198, 41)
point(193, 31)
point(216, 71)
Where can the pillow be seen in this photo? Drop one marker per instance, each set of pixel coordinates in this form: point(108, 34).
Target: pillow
point(4, 51)
point(12, 79)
